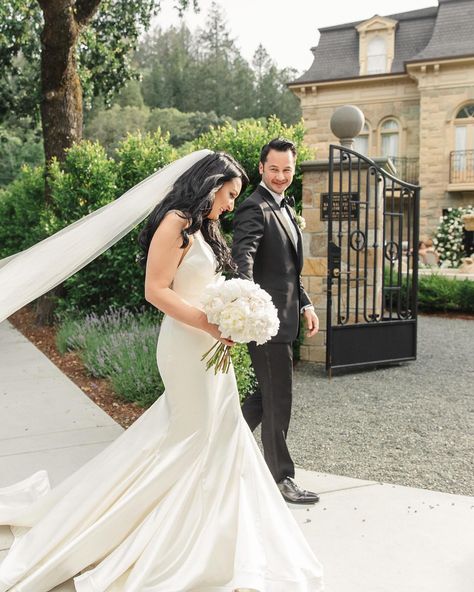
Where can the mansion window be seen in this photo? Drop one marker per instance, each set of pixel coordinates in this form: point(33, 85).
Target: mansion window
point(377, 56)
point(390, 134)
point(376, 45)
point(463, 138)
point(361, 142)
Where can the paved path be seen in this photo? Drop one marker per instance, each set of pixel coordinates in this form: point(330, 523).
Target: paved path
point(371, 537)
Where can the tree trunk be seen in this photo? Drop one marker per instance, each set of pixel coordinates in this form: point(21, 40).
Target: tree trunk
point(46, 306)
point(61, 94)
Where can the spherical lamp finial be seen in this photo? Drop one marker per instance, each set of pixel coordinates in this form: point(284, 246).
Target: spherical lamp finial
point(346, 123)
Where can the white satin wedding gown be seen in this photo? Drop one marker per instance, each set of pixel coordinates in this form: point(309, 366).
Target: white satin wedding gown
point(181, 502)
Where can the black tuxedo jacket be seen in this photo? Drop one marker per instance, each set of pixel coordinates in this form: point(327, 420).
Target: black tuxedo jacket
point(264, 251)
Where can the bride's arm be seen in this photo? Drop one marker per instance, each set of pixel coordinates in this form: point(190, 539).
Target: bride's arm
point(164, 256)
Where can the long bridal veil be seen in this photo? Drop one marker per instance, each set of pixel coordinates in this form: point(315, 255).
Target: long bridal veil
point(33, 272)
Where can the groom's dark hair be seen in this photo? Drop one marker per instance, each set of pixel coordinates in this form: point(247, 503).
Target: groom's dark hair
point(280, 144)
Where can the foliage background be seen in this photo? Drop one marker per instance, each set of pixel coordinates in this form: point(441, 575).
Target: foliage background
point(169, 79)
point(90, 178)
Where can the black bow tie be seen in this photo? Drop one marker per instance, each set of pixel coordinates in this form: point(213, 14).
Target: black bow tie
point(287, 201)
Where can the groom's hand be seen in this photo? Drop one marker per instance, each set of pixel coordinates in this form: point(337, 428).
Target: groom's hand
point(311, 321)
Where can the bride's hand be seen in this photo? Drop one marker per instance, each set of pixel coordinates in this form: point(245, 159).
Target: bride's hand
point(214, 331)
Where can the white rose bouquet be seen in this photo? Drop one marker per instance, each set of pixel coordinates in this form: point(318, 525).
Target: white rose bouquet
point(243, 312)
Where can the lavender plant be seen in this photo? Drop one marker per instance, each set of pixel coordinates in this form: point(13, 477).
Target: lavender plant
point(121, 345)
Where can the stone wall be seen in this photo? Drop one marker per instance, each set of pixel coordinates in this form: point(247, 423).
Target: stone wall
point(443, 90)
point(315, 263)
point(378, 99)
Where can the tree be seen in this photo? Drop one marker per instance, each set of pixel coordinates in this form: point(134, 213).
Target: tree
point(205, 71)
point(20, 144)
point(167, 60)
point(272, 95)
point(76, 46)
point(217, 53)
point(54, 50)
point(131, 95)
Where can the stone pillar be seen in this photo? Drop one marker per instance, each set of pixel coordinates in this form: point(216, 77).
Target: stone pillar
point(315, 238)
point(346, 123)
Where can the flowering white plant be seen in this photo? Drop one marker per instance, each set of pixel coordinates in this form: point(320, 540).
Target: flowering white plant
point(448, 241)
point(243, 312)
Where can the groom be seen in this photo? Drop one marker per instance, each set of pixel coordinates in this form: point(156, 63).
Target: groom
point(268, 249)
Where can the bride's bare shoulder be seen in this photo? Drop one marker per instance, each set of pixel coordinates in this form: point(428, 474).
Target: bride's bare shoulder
point(171, 227)
point(176, 219)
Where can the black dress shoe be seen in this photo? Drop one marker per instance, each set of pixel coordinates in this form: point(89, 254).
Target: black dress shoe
point(294, 494)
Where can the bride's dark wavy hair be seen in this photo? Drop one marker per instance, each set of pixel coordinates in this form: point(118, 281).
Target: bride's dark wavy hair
point(192, 195)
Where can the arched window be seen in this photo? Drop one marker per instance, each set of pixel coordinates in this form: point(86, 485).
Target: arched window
point(389, 133)
point(466, 112)
point(463, 156)
point(361, 142)
point(377, 56)
point(463, 128)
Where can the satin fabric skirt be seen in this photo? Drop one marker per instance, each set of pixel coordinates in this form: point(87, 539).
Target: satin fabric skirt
point(181, 502)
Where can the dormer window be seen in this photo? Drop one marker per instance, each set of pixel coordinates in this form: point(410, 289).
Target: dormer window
point(376, 45)
point(377, 56)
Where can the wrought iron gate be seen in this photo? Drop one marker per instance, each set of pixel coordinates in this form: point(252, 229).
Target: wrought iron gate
point(373, 221)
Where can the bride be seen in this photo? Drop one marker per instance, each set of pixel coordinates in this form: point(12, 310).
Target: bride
point(182, 501)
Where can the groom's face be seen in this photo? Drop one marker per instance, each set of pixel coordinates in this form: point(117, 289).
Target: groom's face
point(278, 169)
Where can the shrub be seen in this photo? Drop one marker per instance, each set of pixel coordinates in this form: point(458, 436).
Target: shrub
point(244, 142)
point(140, 155)
point(87, 180)
point(20, 144)
point(438, 293)
point(21, 205)
point(118, 345)
point(246, 381)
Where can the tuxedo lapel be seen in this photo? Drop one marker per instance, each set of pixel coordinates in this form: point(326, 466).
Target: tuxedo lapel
point(279, 215)
point(300, 236)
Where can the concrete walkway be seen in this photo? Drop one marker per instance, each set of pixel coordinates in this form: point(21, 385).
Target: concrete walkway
point(370, 537)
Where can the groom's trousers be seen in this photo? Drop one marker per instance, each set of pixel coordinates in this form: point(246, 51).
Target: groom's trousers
point(270, 404)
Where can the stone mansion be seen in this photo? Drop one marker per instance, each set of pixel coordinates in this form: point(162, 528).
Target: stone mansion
point(412, 75)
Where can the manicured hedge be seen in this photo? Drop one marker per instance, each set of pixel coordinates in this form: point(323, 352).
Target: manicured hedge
point(437, 293)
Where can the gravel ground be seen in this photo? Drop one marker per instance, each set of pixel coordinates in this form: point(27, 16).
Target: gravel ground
point(410, 424)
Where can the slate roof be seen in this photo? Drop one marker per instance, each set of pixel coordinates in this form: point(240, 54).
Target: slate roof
point(453, 33)
point(442, 31)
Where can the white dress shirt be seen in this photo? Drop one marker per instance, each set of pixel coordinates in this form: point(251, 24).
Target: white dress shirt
point(278, 197)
